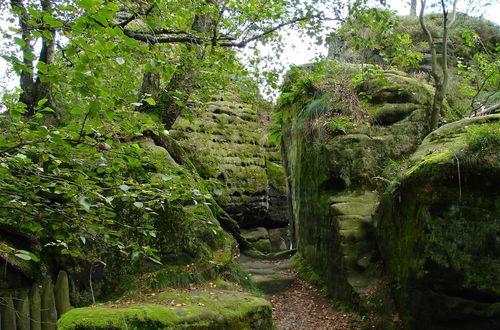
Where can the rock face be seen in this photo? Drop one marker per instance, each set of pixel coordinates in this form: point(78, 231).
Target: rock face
point(332, 179)
point(438, 229)
point(198, 309)
point(435, 229)
point(224, 141)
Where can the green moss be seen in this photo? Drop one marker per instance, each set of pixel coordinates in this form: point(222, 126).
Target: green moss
point(276, 175)
point(425, 166)
point(306, 272)
point(389, 114)
point(396, 88)
point(437, 228)
point(207, 309)
point(483, 139)
point(263, 245)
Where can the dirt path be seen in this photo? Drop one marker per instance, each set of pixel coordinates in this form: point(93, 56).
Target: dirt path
point(303, 306)
point(296, 304)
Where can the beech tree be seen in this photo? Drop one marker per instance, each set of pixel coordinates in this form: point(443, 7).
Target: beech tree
point(95, 63)
point(173, 42)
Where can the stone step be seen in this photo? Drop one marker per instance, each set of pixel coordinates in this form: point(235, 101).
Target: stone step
point(269, 278)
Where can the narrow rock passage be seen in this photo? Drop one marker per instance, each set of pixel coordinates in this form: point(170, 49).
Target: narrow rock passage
point(296, 304)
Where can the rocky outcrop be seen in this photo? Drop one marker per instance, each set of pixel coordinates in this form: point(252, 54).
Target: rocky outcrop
point(210, 308)
point(438, 229)
point(333, 175)
point(433, 233)
point(225, 142)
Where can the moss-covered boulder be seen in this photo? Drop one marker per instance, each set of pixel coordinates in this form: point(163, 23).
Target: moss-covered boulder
point(209, 308)
point(225, 142)
point(335, 150)
point(438, 229)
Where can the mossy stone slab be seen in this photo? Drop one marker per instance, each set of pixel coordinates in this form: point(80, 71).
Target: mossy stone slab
point(199, 309)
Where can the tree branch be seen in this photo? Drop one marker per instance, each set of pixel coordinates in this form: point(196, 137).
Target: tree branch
point(245, 42)
point(487, 111)
point(176, 36)
point(134, 16)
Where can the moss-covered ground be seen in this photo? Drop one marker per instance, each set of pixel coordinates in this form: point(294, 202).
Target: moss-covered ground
point(217, 306)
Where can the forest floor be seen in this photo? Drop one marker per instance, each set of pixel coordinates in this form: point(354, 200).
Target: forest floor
point(303, 306)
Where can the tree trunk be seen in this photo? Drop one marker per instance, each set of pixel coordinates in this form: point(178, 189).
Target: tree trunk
point(43, 89)
point(34, 90)
point(26, 77)
point(413, 8)
point(439, 73)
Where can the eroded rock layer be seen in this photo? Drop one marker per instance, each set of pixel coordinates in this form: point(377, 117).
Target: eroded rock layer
point(224, 141)
point(333, 175)
point(374, 198)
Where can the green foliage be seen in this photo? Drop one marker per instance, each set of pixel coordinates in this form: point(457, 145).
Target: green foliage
point(306, 272)
point(317, 108)
point(374, 34)
point(339, 125)
point(479, 73)
point(275, 129)
point(112, 190)
point(89, 183)
point(488, 32)
point(483, 139)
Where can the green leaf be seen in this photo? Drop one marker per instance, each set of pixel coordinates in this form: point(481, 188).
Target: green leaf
point(53, 22)
point(20, 42)
point(85, 203)
point(26, 255)
point(218, 192)
point(124, 187)
point(120, 60)
point(135, 255)
point(139, 205)
point(23, 256)
point(150, 101)
point(88, 4)
point(47, 34)
point(155, 260)
point(34, 13)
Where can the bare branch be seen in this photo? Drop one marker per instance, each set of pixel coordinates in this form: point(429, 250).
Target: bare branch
point(487, 111)
point(245, 42)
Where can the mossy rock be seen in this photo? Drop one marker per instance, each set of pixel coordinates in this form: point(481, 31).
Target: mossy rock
point(333, 178)
point(197, 309)
point(391, 113)
point(438, 232)
point(226, 143)
point(397, 88)
point(255, 234)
